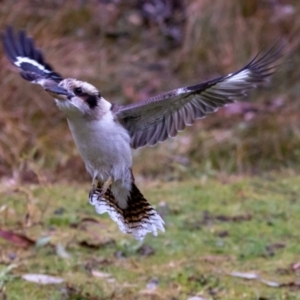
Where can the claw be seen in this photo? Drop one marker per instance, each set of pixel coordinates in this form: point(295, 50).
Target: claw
point(92, 192)
point(106, 185)
point(98, 189)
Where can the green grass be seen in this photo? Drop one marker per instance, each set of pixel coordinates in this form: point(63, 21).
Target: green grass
point(212, 229)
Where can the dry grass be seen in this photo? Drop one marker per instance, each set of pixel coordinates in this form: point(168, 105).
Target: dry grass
point(110, 46)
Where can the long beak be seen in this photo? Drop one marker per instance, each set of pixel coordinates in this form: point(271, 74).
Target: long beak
point(55, 89)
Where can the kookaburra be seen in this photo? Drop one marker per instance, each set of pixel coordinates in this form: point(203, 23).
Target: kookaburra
point(105, 133)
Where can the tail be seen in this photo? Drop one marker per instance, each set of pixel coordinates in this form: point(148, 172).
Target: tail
point(138, 218)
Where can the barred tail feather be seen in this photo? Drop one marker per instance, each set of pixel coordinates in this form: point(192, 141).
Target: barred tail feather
point(138, 219)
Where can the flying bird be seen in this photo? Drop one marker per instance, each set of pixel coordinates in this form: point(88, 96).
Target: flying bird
point(104, 133)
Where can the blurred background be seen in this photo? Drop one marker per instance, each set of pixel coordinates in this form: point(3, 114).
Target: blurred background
point(134, 49)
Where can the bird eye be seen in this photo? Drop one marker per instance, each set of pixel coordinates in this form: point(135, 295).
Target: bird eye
point(78, 90)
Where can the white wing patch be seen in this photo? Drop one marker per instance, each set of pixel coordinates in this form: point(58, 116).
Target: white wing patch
point(180, 91)
point(241, 76)
point(21, 60)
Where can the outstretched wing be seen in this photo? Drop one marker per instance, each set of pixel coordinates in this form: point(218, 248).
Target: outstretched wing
point(22, 53)
point(155, 119)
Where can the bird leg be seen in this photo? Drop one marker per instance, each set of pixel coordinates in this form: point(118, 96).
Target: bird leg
point(99, 189)
point(95, 184)
point(106, 186)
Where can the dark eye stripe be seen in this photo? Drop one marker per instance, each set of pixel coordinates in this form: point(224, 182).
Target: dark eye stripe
point(91, 100)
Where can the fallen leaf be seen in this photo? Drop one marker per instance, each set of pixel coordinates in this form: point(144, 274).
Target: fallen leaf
point(270, 283)
point(61, 251)
point(42, 278)
point(3, 208)
point(267, 282)
point(151, 293)
point(290, 284)
point(244, 275)
point(42, 241)
point(152, 284)
point(91, 220)
point(100, 274)
point(296, 266)
point(84, 221)
point(17, 239)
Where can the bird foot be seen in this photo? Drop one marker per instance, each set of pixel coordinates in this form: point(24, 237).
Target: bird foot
point(97, 191)
point(95, 195)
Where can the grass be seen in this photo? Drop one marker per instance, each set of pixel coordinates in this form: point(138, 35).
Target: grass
point(212, 230)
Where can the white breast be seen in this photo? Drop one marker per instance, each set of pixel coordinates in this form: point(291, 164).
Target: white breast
point(104, 146)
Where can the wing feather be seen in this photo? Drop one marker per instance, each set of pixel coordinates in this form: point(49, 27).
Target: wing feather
point(181, 124)
point(175, 123)
point(155, 119)
point(170, 125)
point(189, 115)
point(156, 133)
point(163, 134)
point(21, 52)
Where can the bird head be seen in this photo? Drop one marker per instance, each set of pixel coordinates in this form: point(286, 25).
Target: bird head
point(77, 97)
